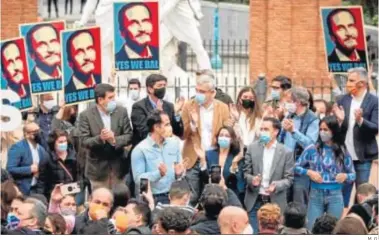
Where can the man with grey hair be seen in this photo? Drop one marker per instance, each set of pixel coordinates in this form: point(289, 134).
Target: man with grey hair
point(203, 117)
point(300, 128)
point(357, 112)
point(32, 215)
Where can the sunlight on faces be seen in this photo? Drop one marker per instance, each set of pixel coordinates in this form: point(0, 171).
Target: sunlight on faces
point(344, 29)
point(84, 53)
point(248, 95)
point(324, 128)
point(132, 217)
point(320, 107)
point(13, 63)
point(205, 88)
point(164, 129)
point(138, 24)
point(157, 85)
point(224, 133)
point(60, 140)
point(47, 46)
point(266, 126)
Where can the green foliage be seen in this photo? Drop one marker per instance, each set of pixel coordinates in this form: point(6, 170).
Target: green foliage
point(370, 10)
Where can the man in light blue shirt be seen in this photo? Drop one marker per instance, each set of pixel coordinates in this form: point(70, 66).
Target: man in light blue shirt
point(158, 157)
point(300, 129)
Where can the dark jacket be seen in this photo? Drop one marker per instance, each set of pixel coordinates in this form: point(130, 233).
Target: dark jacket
point(103, 158)
point(365, 143)
point(56, 173)
point(19, 161)
point(142, 230)
point(235, 181)
point(293, 231)
point(81, 221)
point(21, 231)
point(206, 225)
point(122, 56)
point(141, 111)
point(70, 87)
point(333, 57)
point(5, 175)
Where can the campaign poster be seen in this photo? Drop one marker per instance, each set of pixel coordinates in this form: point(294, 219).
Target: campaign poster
point(344, 36)
point(81, 64)
point(43, 45)
point(136, 35)
point(14, 72)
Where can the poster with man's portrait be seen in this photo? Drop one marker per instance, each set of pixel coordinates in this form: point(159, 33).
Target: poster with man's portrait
point(136, 35)
point(43, 45)
point(344, 36)
point(81, 64)
point(14, 72)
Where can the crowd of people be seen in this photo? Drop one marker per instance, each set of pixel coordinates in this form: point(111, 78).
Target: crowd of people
point(198, 166)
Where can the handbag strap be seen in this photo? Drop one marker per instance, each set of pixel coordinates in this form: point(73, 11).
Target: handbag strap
point(65, 169)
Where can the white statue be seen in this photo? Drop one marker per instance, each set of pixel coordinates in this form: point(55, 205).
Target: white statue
point(179, 22)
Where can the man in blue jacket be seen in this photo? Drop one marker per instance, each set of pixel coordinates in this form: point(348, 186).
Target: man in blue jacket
point(27, 160)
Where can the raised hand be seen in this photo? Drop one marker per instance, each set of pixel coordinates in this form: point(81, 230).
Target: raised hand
point(194, 115)
point(179, 104)
point(314, 176)
point(56, 194)
point(179, 168)
point(162, 169)
point(339, 112)
point(341, 177)
point(199, 152)
point(257, 180)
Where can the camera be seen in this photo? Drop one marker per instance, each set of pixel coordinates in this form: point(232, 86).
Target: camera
point(143, 186)
point(70, 188)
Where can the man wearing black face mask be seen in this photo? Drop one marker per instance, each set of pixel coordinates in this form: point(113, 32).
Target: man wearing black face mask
point(27, 160)
point(156, 90)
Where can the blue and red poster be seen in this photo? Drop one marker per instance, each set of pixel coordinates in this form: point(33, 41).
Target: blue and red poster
point(14, 72)
point(344, 35)
point(81, 64)
point(136, 36)
point(43, 45)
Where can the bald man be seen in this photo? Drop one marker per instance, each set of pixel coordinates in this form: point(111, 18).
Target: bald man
point(27, 161)
point(99, 207)
point(234, 220)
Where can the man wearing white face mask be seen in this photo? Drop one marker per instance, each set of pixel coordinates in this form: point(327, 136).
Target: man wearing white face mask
point(105, 131)
point(234, 220)
point(268, 171)
point(300, 128)
point(43, 116)
point(203, 117)
point(134, 95)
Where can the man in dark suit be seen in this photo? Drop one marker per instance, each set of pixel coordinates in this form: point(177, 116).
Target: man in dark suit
point(105, 131)
point(268, 171)
point(344, 33)
point(44, 48)
point(156, 90)
point(136, 27)
point(81, 55)
point(27, 161)
point(358, 113)
point(13, 69)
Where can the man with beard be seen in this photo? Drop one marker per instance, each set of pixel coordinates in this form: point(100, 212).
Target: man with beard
point(44, 47)
point(81, 55)
point(136, 27)
point(12, 68)
point(344, 33)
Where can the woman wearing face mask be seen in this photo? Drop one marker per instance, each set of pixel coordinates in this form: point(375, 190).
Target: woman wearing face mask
point(329, 166)
point(247, 115)
point(55, 224)
point(227, 148)
point(62, 165)
point(62, 204)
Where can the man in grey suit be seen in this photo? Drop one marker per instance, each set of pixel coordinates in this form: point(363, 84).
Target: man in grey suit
point(268, 171)
point(105, 132)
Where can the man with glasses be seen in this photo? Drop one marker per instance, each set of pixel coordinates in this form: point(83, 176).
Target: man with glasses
point(100, 205)
point(31, 215)
point(27, 160)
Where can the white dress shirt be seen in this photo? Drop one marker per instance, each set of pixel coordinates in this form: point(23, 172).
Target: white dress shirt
point(36, 159)
point(206, 121)
point(349, 141)
point(106, 118)
point(248, 135)
point(268, 158)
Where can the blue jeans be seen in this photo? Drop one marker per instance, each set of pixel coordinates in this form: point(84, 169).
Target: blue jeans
point(324, 201)
point(362, 170)
point(301, 190)
point(253, 220)
point(193, 179)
